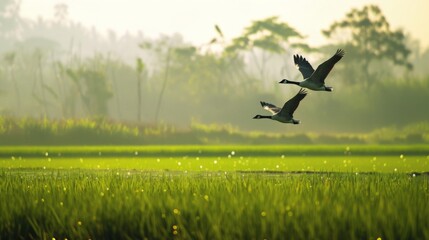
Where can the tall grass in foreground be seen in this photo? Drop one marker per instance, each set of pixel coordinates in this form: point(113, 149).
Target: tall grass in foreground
point(79, 204)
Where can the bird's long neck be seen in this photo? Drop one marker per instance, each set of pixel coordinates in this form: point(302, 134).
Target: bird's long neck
point(285, 81)
point(261, 116)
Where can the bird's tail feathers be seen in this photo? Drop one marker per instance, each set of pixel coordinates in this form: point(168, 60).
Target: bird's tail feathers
point(329, 89)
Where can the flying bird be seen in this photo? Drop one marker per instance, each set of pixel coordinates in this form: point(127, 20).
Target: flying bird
point(284, 114)
point(315, 80)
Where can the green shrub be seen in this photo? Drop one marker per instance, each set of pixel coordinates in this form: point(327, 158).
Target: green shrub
point(31, 131)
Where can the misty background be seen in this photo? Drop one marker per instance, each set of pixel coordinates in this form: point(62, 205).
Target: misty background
point(58, 68)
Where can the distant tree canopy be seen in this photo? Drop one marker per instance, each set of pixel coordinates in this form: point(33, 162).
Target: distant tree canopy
point(9, 16)
point(92, 87)
point(270, 36)
point(367, 36)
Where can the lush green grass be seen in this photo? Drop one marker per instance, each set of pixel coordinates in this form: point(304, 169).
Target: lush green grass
point(83, 204)
point(223, 158)
point(215, 150)
point(350, 164)
point(214, 192)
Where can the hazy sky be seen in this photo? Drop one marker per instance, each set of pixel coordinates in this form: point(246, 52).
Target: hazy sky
point(194, 19)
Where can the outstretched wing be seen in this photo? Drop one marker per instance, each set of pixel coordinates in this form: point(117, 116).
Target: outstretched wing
point(291, 105)
point(303, 66)
point(270, 107)
point(323, 69)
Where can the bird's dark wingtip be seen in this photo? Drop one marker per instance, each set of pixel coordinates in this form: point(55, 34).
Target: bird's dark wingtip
point(303, 91)
point(298, 58)
point(340, 52)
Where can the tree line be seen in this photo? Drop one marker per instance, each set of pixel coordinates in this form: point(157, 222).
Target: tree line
point(46, 71)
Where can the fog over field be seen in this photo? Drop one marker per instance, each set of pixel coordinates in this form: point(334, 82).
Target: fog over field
point(181, 63)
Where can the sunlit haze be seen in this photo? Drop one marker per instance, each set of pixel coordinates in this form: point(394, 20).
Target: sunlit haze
point(194, 19)
point(155, 62)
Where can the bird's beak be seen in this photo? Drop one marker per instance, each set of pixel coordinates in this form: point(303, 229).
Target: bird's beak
point(283, 81)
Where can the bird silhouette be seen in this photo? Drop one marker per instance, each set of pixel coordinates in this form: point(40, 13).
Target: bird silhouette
point(284, 114)
point(315, 80)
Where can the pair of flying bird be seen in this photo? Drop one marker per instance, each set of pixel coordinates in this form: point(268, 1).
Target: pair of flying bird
point(313, 80)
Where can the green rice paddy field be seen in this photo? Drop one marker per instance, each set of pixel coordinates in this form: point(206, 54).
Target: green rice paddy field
point(214, 192)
